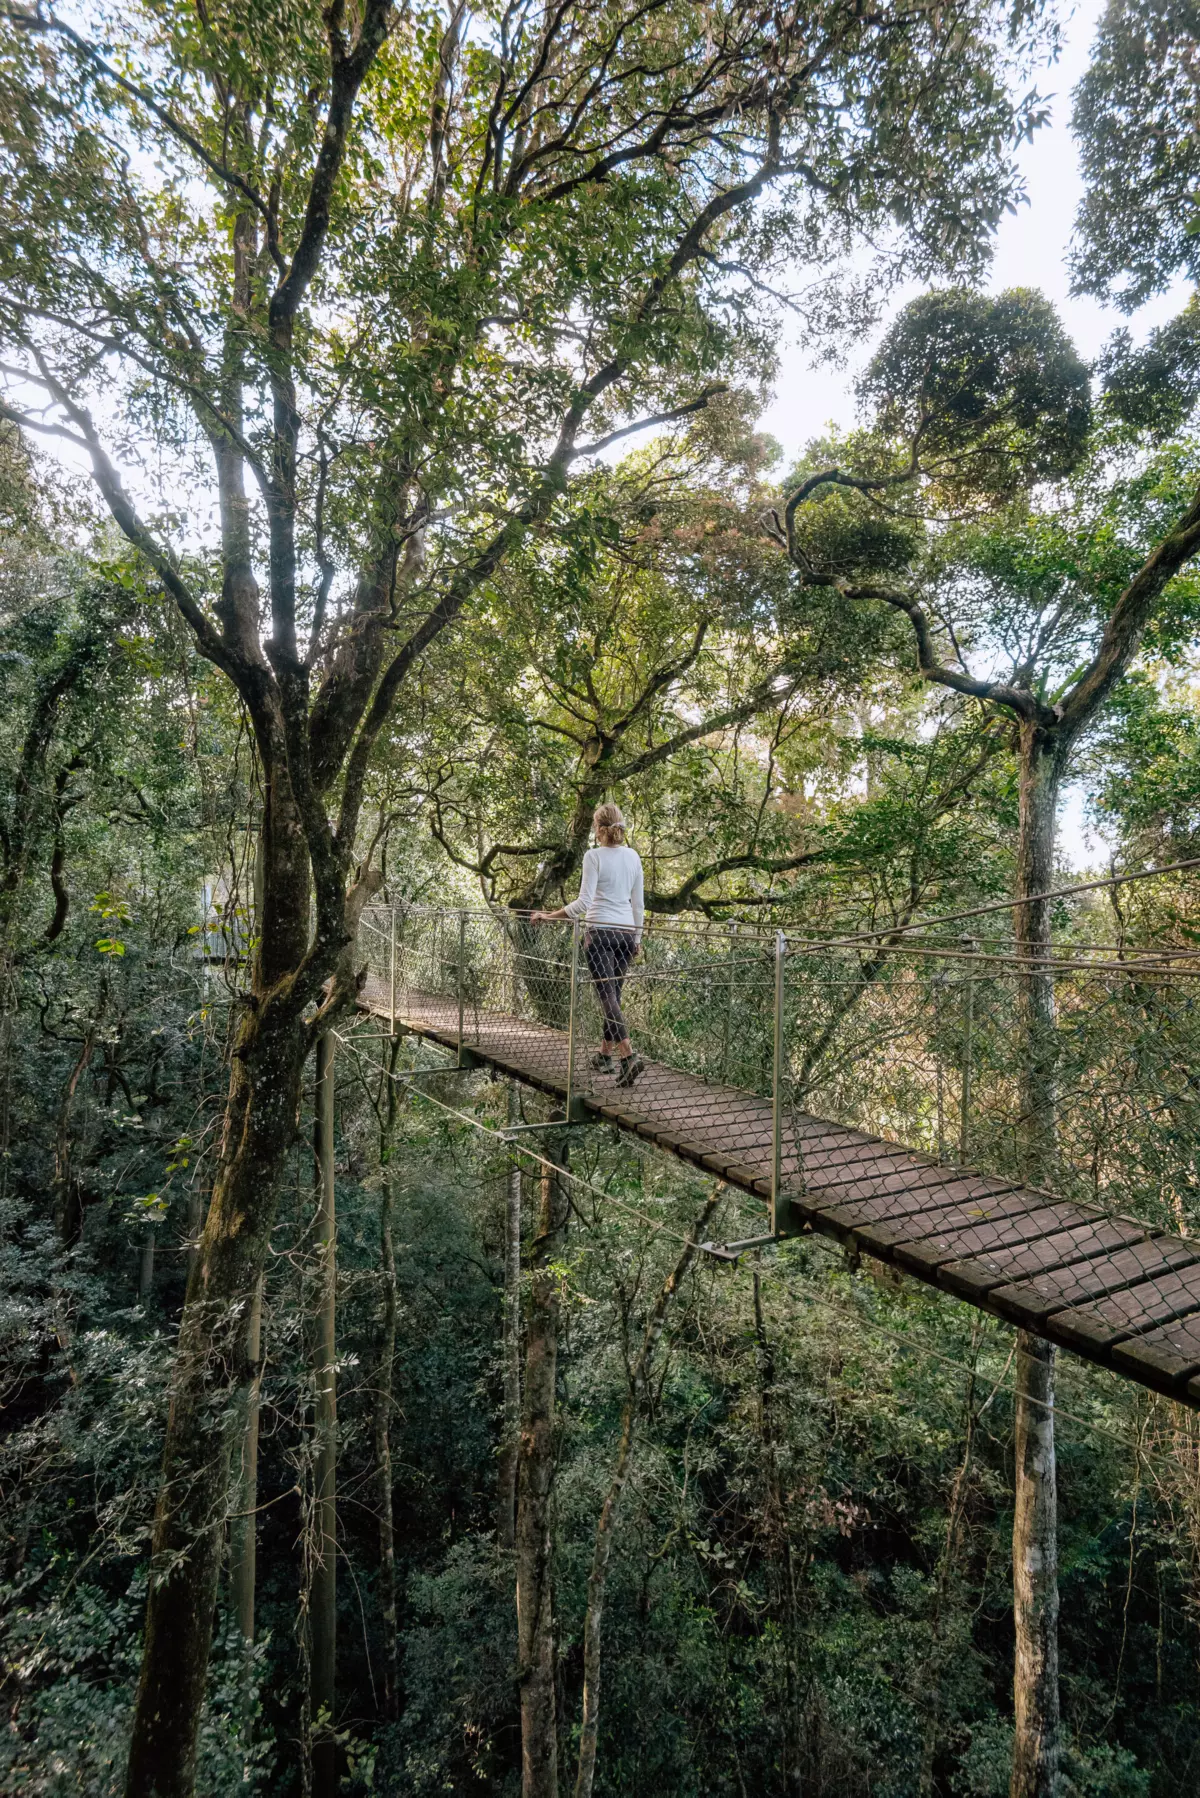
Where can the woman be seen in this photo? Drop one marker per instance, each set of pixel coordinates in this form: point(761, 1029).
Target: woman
point(610, 899)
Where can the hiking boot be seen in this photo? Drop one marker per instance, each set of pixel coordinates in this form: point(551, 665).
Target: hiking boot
point(602, 1063)
point(631, 1067)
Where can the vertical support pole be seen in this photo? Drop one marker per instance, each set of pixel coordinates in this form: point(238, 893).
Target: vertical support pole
point(571, 1009)
point(513, 942)
point(941, 1113)
point(732, 966)
point(392, 974)
point(324, 1590)
point(778, 1205)
point(462, 948)
point(964, 1110)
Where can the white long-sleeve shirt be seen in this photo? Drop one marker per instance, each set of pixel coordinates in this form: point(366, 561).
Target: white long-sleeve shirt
point(610, 892)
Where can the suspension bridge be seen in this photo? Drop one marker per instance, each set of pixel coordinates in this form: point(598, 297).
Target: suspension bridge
point(876, 1092)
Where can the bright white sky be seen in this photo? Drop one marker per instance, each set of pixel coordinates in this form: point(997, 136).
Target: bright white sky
point(1030, 252)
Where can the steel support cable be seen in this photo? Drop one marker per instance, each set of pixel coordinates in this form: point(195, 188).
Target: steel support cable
point(997, 905)
point(689, 1008)
point(852, 1313)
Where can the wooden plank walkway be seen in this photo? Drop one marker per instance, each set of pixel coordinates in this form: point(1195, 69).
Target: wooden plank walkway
point(1107, 1288)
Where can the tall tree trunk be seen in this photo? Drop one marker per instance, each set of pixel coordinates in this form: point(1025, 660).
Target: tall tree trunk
point(243, 1547)
point(1035, 1521)
point(781, 1563)
point(382, 1409)
point(1035, 1576)
point(506, 1497)
point(605, 1528)
point(324, 1585)
point(213, 1369)
point(384, 1388)
point(146, 1267)
point(937, 1666)
point(535, 1481)
point(383, 1455)
point(1040, 777)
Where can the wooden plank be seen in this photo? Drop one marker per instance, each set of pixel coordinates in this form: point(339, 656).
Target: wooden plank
point(1114, 1267)
point(930, 1182)
point(903, 1214)
point(993, 1273)
point(1132, 1311)
point(927, 1255)
point(1163, 1359)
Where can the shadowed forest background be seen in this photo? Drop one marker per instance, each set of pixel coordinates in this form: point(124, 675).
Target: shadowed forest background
point(382, 488)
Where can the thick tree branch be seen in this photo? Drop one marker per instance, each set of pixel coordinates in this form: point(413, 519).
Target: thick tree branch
point(657, 418)
point(1126, 623)
point(682, 898)
point(350, 66)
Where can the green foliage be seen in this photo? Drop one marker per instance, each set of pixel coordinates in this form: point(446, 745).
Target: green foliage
point(1153, 388)
point(989, 392)
point(1135, 119)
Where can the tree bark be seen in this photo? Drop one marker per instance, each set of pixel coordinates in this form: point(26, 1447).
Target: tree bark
point(781, 1563)
point(324, 1586)
point(381, 1415)
point(506, 1498)
point(939, 1660)
point(1035, 1576)
point(384, 1451)
point(1036, 1743)
point(635, 1396)
point(243, 1549)
point(535, 1483)
point(213, 1365)
point(146, 1267)
point(1040, 779)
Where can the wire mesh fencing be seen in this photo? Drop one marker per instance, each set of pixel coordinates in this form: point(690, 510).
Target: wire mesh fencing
point(1023, 1134)
point(1080, 1077)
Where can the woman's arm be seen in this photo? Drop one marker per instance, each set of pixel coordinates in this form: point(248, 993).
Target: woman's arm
point(637, 898)
point(578, 907)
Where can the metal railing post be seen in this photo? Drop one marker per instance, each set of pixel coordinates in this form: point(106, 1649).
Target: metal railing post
point(392, 1006)
point(964, 1109)
point(777, 1089)
point(462, 948)
point(571, 1015)
point(731, 962)
point(511, 941)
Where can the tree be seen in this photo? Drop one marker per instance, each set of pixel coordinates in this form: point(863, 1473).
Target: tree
point(1134, 120)
point(652, 649)
point(366, 280)
point(976, 401)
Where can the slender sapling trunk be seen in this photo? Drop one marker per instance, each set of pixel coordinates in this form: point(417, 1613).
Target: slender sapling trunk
point(506, 1498)
point(243, 1546)
point(1036, 1743)
point(535, 1482)
point(324, 1586)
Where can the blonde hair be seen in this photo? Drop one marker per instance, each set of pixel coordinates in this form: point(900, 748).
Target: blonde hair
point(609, 825)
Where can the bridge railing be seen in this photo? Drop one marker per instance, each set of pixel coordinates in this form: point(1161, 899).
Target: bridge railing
point(1080, 1077)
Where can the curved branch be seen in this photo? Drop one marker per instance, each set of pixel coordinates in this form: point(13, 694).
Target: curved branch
point(1127, 622)
point(682, 898)
point(1020, 700)
point(657, 418)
